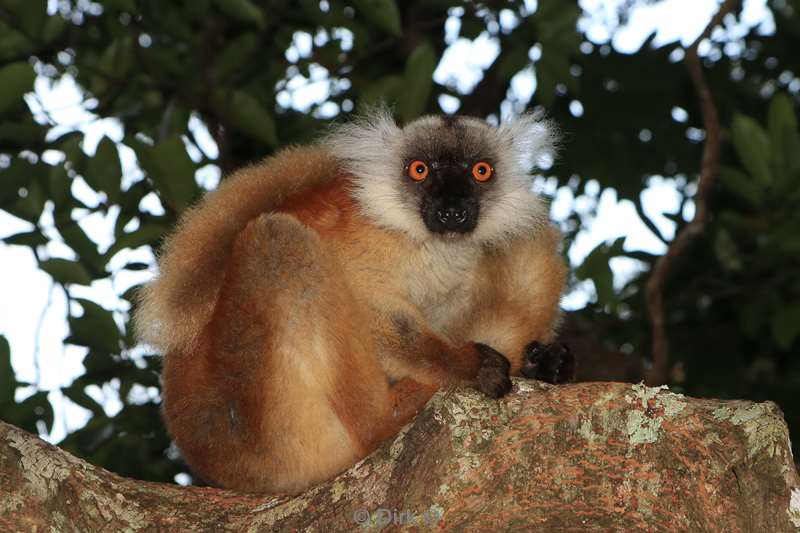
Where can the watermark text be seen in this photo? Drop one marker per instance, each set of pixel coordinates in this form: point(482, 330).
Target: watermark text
point(382, 517)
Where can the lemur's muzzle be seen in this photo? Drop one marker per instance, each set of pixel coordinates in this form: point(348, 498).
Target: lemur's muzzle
point(452, 218)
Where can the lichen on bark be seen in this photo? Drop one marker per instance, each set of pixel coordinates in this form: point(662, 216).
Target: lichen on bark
point(545, 458)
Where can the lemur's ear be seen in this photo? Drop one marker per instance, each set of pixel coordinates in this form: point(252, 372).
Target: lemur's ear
point(368, 136)
point(531, 138)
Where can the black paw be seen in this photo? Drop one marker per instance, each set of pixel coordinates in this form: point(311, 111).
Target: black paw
point(552, 363)
point(492, 378)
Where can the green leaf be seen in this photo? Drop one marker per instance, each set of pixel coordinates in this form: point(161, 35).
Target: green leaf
point(81, 244)
point(176, 172)
point(27, 238)
point(242, 11)
point(471, 27)
point(8, 382)
point(94, 434)
point(114, 64)
point(136, 266)
point(551, 69)
point(784, 138)
point(751, 317)
point(31, 15)
point(70, 143)
point(171, 171)
point(251, 117)
point(14, 177)
point(742, 185)
point(236, 55)
point(514, 61)
point(556, 27)
point(781, 118)
point(12, 43)
point(66, 271)
point(54, 27)
point(77, 393)
point(752, 146)
point(44, 409)
point(16, 79)
point(596, 267)
point(30, 202)
point(22, 132)
point(385, 90)
point(146, 234)
point(95, 328)
point(786, 326)
point(417, 82)
point(726, 250)
point(27, 413)
point(58, 185)
point(198, 10)
point(104, 171)
point(122, 5)
point(98, 363)
point(557, 23)
point(785, 236)
point(381, 13)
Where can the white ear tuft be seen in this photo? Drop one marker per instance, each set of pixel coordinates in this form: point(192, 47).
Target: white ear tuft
point(370, 150)
point(532, 139)
point(368, 136)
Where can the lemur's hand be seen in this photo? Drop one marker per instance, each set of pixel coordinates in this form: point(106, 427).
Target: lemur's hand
point(492, 379)
point(552, 363)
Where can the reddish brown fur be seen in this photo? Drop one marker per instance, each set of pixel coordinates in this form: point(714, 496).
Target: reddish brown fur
point(294, 347)
point(520, 296)
point(194, 257)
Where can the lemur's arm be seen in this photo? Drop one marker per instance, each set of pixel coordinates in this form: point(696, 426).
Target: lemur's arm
point(517, 306)
point(409, 349)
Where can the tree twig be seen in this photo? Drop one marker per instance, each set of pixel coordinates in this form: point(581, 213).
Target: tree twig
point(708, 173)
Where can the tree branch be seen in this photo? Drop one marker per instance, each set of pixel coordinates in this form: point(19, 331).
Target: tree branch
point(709, 169)
point(606, 456)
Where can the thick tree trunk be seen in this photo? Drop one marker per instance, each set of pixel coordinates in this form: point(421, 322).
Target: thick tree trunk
point(602, 456)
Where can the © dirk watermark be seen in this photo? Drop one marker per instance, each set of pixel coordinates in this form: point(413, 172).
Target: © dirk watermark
point(382, 517)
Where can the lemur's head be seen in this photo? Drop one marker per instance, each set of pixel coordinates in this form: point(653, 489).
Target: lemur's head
point(448, 176)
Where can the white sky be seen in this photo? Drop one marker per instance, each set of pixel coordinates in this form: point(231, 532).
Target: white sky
point(26, 293)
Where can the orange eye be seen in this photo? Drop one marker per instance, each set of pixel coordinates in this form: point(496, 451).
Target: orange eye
point(417, 170)
point(482, 171)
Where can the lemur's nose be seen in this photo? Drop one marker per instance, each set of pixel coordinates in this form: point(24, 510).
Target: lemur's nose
point(451, 217)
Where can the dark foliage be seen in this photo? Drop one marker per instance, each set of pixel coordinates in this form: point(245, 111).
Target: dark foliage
point(733, 301)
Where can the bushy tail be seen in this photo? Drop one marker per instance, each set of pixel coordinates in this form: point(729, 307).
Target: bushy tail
point(175, 307)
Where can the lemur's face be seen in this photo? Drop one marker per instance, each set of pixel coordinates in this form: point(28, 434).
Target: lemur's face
point(453, 177)
point(448, 169)
point(448, 195)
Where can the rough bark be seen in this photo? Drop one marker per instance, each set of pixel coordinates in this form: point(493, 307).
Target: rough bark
point(594, 456)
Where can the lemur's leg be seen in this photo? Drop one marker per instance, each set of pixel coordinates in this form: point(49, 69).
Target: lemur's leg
point(283, 389)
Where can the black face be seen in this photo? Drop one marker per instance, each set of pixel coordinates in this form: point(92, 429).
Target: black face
point(448, 168)
point(448, 195)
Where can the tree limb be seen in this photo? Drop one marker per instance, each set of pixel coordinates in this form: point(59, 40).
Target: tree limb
point(709, 169)
point(605, 456)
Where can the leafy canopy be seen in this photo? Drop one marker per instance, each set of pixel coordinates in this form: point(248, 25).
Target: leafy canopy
point(167, 73)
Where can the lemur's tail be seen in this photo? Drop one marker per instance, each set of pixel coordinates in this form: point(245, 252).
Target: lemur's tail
point(173, 309)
